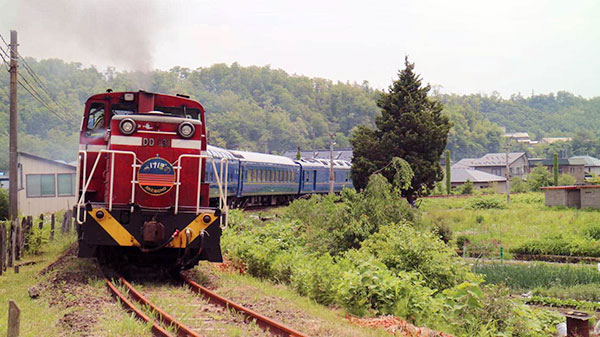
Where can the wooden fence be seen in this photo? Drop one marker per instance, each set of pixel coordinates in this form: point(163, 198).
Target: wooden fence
point(14, 237)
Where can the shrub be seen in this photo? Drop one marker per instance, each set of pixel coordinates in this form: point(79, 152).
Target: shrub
point(3, 204)
point(518, 185)
point(462, 240)
point(592, 232)
point(566, 180)
point(335, 224)
point(486, 203)
point(466, 188)
point(403, 248)
point(539, 177)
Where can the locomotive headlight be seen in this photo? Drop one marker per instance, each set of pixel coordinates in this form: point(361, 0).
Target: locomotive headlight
point(127, 126)
point(186, 129)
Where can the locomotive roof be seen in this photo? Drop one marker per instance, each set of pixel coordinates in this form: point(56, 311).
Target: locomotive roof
point(262, 158)
point(217, 152)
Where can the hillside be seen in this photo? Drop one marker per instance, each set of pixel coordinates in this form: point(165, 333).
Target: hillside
point(259, 108)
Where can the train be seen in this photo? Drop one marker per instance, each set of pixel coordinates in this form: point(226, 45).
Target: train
point(152, 192)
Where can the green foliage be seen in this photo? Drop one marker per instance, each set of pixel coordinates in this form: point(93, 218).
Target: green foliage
point(411, 126)
point(466, 188)
point(486, 203)
point(35, 240)
point(592, 232)
point(580, 292)
point(4, 204)
point(555, 168)
point(401, 248)
point(402, 174)
point(448, 177)
point(539, 177)
point(531, 275)
point(566, 180)
point(559, 245)
point(399, 269)
point(564, 303)
point(334, 224)
point(518, 185)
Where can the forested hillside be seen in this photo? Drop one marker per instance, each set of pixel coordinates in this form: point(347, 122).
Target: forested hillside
point(259, 108)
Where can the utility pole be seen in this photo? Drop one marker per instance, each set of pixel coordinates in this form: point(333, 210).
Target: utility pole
point(331, 175)
point(507, 174)
point(13, 174)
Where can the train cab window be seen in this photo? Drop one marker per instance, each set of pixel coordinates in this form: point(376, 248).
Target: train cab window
point(95, 123)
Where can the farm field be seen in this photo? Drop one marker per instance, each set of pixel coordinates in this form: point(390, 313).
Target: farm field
point(526, 219)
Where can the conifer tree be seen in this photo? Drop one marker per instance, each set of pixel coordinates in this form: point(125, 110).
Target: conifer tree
point(411, 127)
point(448, 172)
point(555, 169)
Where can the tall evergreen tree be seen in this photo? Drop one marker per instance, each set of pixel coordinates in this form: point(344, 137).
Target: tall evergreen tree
point(555, 168)
point(411, 127)
point(448, 173)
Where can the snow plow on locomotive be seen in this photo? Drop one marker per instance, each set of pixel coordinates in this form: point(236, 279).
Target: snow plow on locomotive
point(142, 199)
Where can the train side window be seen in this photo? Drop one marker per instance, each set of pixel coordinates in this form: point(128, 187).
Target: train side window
point(95, 122)
point(347, 176)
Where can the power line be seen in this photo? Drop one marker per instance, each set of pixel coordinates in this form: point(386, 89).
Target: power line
point(32, 90)
point(36, 95)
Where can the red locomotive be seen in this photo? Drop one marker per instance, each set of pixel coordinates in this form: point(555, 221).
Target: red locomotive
point(142, 199)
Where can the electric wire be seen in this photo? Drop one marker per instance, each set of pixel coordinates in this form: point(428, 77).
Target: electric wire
point(33, 91)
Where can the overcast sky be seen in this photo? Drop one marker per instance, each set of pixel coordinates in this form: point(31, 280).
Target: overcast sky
point(475, 46)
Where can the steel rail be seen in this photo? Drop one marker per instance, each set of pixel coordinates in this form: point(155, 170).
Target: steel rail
point(263, 322)
point(157, 330)
point(182, 330)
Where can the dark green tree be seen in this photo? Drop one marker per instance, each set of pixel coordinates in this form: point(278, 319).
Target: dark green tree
point(411, 126)
point(448, 172)
point(555, 169)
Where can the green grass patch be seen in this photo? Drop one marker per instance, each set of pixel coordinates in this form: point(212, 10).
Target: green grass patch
point(528, 276)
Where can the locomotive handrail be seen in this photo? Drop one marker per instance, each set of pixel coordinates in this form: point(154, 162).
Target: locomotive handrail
point(179, 166)
point(81, 200)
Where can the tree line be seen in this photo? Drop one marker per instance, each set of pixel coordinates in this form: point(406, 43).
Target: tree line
point(263, 109)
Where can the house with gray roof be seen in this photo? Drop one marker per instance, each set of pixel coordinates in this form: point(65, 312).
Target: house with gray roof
point(590, 164)
point(495, 163)
point(480, 179)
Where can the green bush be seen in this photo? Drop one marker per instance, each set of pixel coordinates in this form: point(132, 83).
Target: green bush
point(3, 204)
point(486, 203)
point(566, 180)
point(559, 245)
point(539, 177)
point(335, 224)
point(592, 232)
point(466, 188)
point(403, 248)
point(518, 185)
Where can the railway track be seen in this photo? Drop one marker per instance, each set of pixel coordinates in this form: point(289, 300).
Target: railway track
point(161, 318)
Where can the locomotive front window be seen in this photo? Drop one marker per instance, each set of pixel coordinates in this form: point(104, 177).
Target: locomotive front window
point(180, 111)
point(95, 121)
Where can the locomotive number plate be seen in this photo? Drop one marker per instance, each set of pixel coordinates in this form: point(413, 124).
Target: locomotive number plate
point(163, 142)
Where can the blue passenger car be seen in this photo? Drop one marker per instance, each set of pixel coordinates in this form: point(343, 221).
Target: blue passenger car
point(267, 179)
point(233, 172)
point(315, 175)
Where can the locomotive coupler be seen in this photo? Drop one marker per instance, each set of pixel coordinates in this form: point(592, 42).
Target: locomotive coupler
point(153, 232)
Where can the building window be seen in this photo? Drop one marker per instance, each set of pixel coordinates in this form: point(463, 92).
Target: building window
point(66, 185)
point(41, 185)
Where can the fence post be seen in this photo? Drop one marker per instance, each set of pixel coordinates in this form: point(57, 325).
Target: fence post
point(24, 231)
point(70, 222)
point(41, 224)
point(14, 317)
point(2, 247)
point(11, 245)
point(52, 227)
point(16, 240)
